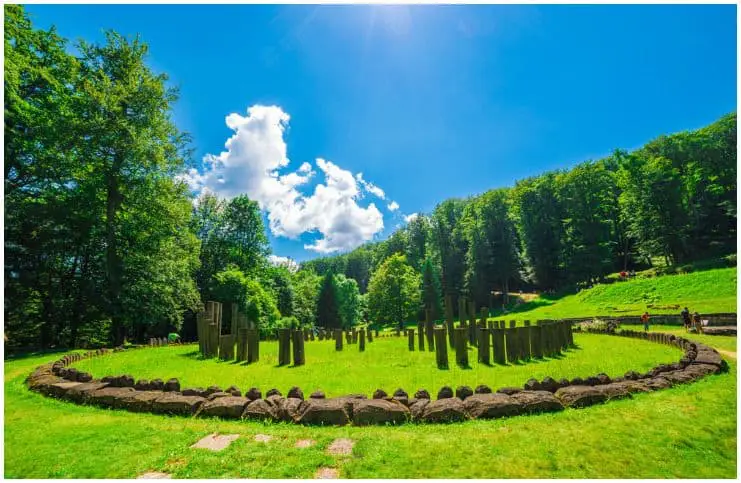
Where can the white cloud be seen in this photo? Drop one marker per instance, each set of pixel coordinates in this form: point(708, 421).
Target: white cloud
point(393, 206)
point(287, 262)
point(256, 153)
point(411, 217)
point(370, 187)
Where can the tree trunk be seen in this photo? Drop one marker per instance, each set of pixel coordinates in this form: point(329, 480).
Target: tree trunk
point(113, 259)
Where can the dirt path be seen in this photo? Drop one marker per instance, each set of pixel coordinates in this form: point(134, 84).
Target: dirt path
point(730, 354)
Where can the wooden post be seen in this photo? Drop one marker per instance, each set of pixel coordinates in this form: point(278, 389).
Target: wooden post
point(484, 315)
point(525, 341)
point(421, 335)
point(429, 325)
point(361, 340)
point(536, 340)
point(472, 339)
point(284, 347)
point(449, 317)
point(370, 335)
point(253, 345)
point(410, 335)
point(299, 356)
point(338, 339)
point(513, 346)
point(242, 345)
point(226, 347)
point(461, 346)
point(441, 349)
point(497, 337)
point(484, 336)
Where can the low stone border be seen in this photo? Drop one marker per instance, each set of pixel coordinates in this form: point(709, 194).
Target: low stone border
point(61, 381)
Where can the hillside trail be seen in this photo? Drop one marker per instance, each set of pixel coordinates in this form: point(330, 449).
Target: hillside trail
point(726, 353)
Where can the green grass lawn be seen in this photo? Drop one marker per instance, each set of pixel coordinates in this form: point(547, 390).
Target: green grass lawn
point(684, 432)
point(709, 291)
point(386, 364)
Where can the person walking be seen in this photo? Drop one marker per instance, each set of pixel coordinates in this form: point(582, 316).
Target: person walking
point(698, 322)
point(686, 318)
point(644, 319)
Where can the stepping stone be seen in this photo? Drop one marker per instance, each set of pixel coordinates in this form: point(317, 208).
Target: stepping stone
point(305, 443)
point(327, 474)
point(154, 475)
point(263, 438)
point(341, 446)
point(216, 442)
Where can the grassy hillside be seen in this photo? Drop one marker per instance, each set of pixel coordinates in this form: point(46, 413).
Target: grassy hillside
point(709, 291)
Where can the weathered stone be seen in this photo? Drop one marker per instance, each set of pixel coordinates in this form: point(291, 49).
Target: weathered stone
point(537, 401)
point(317, 395)
point(446, 410)
point(261, 410)
point(462, 392)
point(111, 397)
point(218, 395)
point(156, 385)
point(657, 383)
point(549, 384)
point(632, 376)
point(42, 383)
point(379, 394)
point(422, 394)
point(140, 401)
point(400, 393)
point(563, 382)
point(172, 385)
point(488, 406)
point(195, 391)
point(323, 412)
point(119, 381)
point(84, 377)
point(174, 403)
point(580, 396)
point(708, 357)
point(677, 377)
point(59, 390)
point(417, 408)
point(445, 392)
point(272, 392)
point(80, 392)
point(142, 385)
point(378, 411)
point(216, 442)
point(212, 389)
point(296, 393)
point(603, 378)
point(532, 384)
point(233, 390)
point(577, 381)
point(614, 391)
point(509, 390)
point(253, 394)
point(230, 407)
point(482, 389)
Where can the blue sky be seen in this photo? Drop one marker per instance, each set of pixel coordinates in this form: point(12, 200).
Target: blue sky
point(427, 102)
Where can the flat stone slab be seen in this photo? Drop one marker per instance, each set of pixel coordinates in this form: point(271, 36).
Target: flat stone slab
point(305, 443)
point(263, 438)
point(216, 442)
point(720, 330)
point(327, 474)
point(341, 446)
point(154, 475)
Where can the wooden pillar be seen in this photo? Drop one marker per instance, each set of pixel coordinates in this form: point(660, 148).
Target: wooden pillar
point(410, 335)
point(284, 347)
point(461, 346)
point(483, 344)
point(354, 336)
point(370, 335)
point(536, 340)
point(441, 348)
point(510, 335)
point(361, 340)
point(449, 317)
point(242, 345)
point(226, 347)
point(421, 335)
point(338, 339)
point(526, 341)
point(497, 338)
point(429, 325)
point(299, 356)
point(253, 345)
point(484, 315)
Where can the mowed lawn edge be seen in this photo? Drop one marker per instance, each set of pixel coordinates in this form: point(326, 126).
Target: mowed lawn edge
point(386, 364)
point(687, 431)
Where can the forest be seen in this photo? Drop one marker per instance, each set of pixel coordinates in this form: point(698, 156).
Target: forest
point(104, 242)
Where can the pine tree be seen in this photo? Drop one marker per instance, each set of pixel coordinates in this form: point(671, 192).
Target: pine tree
point(327, 310)
point(431, 290)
